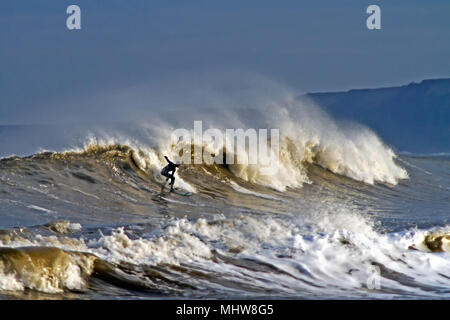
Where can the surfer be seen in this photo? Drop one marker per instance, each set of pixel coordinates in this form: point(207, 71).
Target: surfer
point(166, 171)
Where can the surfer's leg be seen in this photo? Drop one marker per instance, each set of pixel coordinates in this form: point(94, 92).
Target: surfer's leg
point(165, 174)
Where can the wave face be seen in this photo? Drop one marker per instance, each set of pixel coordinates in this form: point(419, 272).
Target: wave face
point(95, 221)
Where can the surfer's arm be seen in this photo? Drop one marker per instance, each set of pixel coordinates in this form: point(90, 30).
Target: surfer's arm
point(168, 160)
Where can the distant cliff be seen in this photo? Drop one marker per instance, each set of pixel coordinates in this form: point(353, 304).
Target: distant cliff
point(414, 118)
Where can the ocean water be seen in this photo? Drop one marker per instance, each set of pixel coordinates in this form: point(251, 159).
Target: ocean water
point(83, 215)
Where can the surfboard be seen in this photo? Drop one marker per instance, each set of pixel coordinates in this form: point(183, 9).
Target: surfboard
point(181, 192)
point(178, 191)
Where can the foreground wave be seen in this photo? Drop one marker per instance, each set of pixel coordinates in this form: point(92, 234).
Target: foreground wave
point(244, 257)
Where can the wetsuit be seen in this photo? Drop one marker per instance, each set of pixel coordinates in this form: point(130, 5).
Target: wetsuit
point(166, 171)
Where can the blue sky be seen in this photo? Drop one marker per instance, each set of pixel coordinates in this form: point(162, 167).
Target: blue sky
point(308, 45)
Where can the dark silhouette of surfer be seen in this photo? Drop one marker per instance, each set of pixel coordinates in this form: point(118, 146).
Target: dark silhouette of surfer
point(169, 171)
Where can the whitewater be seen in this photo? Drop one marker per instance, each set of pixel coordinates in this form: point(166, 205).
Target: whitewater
point(91, 219)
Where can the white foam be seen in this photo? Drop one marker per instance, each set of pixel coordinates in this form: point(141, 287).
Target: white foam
point(309, 135)
point(241, 189)
point(320, 255)
point(8, 282)
point(339, 260)
point(40, 208)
